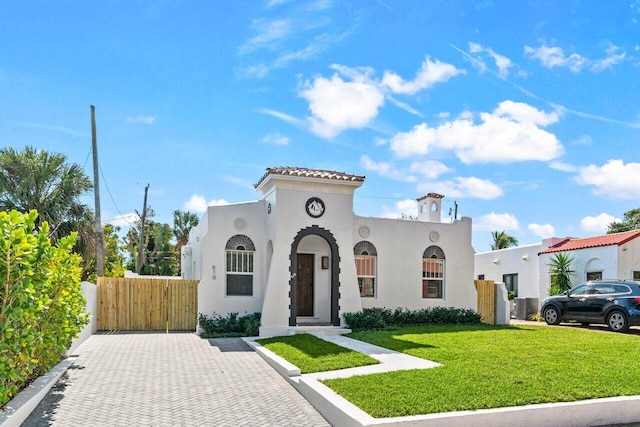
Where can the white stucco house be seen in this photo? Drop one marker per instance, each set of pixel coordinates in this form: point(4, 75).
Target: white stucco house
point(300, 256)
point(525, 269)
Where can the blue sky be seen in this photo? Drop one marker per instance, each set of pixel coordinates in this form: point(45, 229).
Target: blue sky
point(525, 114)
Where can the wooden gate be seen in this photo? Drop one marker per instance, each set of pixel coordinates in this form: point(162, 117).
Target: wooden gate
point(143, 304)
point(486, 300)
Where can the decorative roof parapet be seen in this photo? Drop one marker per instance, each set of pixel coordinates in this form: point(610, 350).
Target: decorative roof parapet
point(309, 173)
point(432, 195)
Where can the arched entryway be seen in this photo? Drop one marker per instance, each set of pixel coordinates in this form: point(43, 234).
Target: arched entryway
point(334, 270)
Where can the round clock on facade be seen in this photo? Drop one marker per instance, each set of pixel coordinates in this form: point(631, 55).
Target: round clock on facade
point(314, 207)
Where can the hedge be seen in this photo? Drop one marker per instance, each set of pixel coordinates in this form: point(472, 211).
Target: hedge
point(381, 318)
point(41, 300)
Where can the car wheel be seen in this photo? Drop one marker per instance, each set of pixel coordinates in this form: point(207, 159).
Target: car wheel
point(617, 321)
point(551, 315)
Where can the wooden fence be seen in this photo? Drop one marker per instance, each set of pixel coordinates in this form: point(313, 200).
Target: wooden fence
point(142, 304)
point(486, 300)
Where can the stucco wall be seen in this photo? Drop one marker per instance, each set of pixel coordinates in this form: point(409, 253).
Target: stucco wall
point(90, 292)
point(400, 245)
point(628, 259)
point(286, 219)
point(224, 222)
point(521, 260)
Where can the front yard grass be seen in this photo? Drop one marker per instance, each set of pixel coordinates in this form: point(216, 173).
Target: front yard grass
point(494, 366)
point(312, 354)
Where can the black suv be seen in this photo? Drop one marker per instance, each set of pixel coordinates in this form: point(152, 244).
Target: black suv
point(615, 303)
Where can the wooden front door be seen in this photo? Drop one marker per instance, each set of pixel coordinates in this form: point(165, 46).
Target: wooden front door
point(304, 291)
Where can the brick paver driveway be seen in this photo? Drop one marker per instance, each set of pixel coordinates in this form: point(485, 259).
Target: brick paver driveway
point(177, 379)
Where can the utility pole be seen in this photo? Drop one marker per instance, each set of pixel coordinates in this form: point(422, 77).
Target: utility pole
point(96, 192)
point(141, 239)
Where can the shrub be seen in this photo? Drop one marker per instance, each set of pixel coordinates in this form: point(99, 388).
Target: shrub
point(41, 303)
point(381, 318)
point(216, 326)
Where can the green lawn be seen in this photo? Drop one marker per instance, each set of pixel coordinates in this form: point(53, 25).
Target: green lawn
point(312, 354)
point(488, 367)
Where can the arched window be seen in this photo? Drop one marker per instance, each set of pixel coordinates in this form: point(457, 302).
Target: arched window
point(240, 250)
point(433, 273)
point(365, 254)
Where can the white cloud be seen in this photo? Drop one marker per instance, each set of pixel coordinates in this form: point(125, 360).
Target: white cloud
point(612, 58)
point(352, 97)
point(464, 187)
point(614, 180)
point(597, 224)
point(268, 33)
point(407, 207)
point(276, 139)
point(144, 120)
point(512, 132)
point(337, 105)
point(583, 140)
point(551, 57)
point(198, 203)
point(430, 73)
point(554, 56)
point(496, 222)
point(430, 169)
point(380, 141)
point(502, 62)
point(126, 220)
point(542, 230)
point(563, 167)
point(385, 169)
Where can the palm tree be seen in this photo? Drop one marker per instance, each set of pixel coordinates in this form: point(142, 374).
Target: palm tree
point(502, 240)
point(36, 179)
point(47, 182)
point(183, 222)
point(560, 272)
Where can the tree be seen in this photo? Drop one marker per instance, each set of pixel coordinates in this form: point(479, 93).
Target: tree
point(183, 222)
point(502, 240)
point(159, 254)
point(46, 182)
point(114, 262)
point(560, 272)
point(631, 221)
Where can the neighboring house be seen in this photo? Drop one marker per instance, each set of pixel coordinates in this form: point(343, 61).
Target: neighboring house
point(517, 267)
point(300, 256)
point(525, 269)
point(611, 256)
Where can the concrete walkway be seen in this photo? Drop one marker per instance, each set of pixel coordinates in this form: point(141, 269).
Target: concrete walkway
point(160, 379)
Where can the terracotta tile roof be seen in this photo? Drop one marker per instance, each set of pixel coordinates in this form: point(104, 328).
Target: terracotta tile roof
point(592, 242)
point(433, 195)
point(309, 173)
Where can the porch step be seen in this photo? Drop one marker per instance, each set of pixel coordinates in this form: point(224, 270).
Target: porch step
point(316, 329)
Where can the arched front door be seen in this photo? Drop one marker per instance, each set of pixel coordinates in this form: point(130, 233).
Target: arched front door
point(299, 304)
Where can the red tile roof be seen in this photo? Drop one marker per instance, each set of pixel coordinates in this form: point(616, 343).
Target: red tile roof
point(310, 173)
point(592, 242)
point(433, 195)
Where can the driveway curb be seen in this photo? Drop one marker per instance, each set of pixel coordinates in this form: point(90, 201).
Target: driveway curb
point(21, 406)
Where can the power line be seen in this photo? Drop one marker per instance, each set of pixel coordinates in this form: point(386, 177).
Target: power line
point(122, 216)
